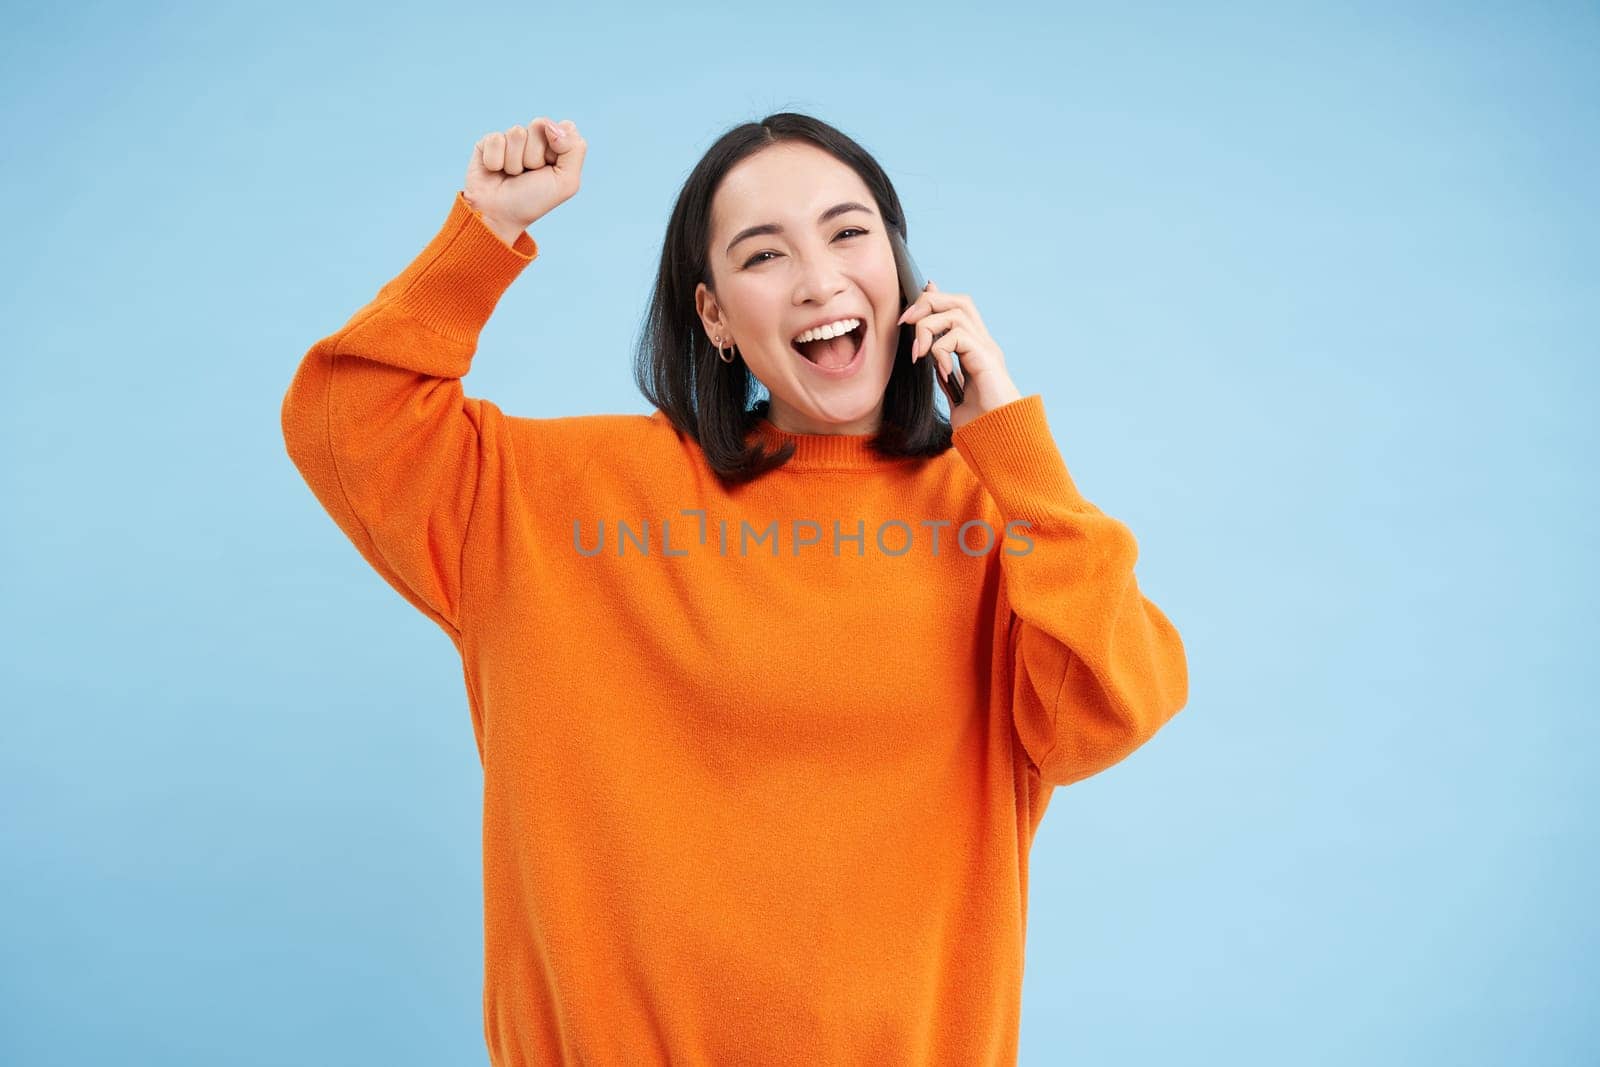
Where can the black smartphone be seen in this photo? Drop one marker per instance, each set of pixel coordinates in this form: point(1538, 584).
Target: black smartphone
point(911, 285)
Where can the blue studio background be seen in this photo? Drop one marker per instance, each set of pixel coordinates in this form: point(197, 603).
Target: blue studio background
point(1310, 293)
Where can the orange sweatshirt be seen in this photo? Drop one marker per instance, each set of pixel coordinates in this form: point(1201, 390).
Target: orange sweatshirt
point(761, 767)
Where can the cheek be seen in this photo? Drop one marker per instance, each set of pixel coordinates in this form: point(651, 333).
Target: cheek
point(886, 283)
point(751, 306)
point(890, 304)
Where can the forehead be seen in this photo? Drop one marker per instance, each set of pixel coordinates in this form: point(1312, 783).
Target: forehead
point(786, 182)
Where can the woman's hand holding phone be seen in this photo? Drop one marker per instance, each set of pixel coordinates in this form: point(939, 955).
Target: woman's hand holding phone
point(948, 324)
point(519, 176)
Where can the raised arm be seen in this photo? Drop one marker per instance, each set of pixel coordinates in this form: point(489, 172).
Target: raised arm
point(375, 418)
point(377, 423)
point(1097, 667)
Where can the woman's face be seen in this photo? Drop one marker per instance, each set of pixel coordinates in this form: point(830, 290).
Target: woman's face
point(772, 285)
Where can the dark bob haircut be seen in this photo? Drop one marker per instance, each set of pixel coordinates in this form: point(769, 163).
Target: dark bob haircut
point(676, 366)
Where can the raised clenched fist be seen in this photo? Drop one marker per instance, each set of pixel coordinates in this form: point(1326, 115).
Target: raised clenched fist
point(517, 176)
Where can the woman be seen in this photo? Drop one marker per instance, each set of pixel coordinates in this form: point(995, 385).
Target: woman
point(769, 699)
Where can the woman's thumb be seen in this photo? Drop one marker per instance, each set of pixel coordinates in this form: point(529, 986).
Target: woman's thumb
point(569, 147)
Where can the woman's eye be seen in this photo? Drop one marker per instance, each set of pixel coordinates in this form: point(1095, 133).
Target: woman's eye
point(753, 260)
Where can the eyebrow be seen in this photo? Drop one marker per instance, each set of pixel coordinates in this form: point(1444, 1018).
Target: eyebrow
point(773, 227)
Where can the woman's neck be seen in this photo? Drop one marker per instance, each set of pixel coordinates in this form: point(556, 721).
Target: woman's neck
point(790, 421)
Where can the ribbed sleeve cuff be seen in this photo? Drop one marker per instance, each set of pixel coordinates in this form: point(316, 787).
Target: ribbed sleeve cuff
point(454, 284)
point(1012, 453)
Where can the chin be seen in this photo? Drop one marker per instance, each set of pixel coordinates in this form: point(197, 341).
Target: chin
point(849, 401)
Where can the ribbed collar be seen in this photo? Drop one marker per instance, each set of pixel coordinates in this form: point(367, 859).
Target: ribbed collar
point(826, 451)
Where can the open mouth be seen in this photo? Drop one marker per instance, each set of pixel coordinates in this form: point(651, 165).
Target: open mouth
point(836, 353)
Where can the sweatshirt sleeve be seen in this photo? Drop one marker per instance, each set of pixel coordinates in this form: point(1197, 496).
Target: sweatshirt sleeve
point(377, 424)
point(1097, 668)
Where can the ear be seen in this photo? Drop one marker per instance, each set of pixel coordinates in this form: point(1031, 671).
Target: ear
point(705, 304)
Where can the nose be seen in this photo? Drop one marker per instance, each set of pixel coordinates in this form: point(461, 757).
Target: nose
point(819, 281)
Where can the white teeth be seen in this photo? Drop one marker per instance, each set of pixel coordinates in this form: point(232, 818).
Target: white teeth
point(832, 329)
